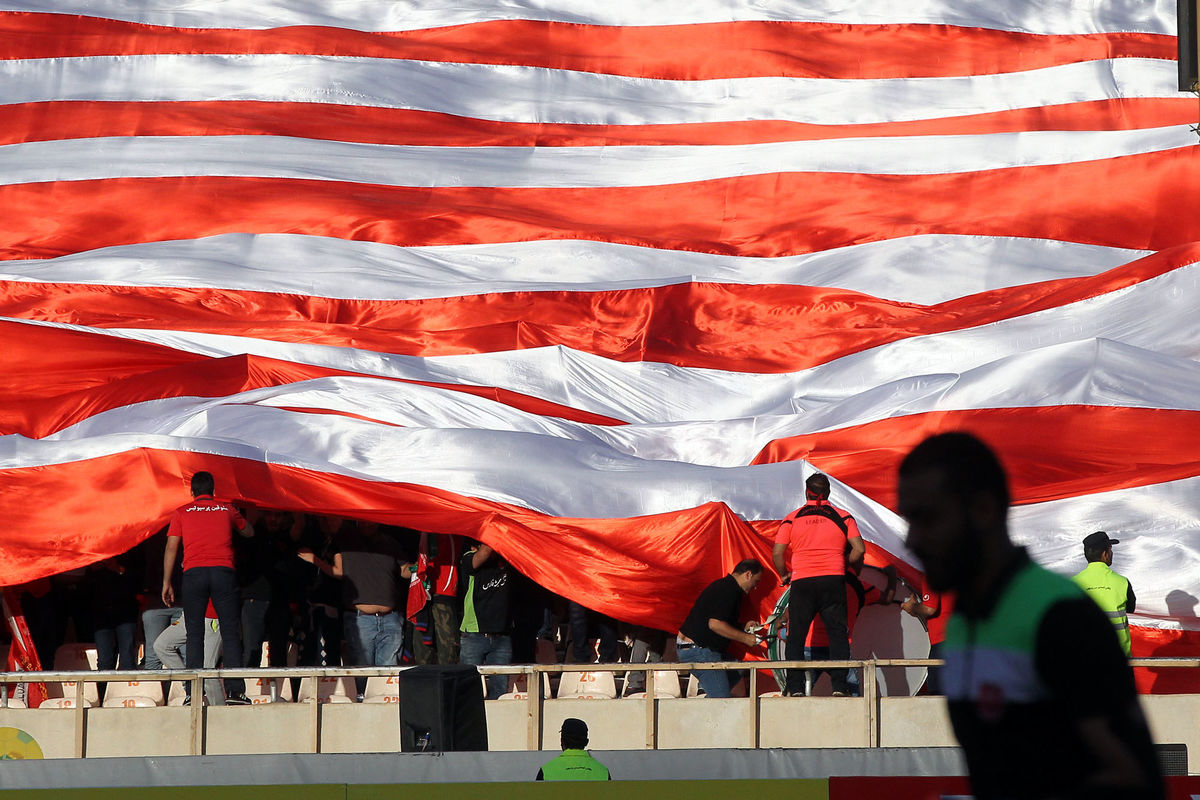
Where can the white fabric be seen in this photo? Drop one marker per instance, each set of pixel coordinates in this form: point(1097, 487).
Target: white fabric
point(559, 167)
point(922, 269)
point(534, 94)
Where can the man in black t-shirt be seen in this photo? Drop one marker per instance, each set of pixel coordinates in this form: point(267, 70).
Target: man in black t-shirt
point(712, 625)
point(487, 623)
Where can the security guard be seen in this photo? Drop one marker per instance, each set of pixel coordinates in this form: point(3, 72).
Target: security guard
point(574, 763)
point(1112, 592)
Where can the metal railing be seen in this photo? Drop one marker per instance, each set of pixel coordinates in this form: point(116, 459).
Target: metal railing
point(535, 695)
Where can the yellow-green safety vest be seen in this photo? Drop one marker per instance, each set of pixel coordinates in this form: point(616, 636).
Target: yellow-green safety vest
point(1110, 591)
point(574, 765)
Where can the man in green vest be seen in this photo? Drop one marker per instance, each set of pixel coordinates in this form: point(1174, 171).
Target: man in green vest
point(1111, 591)
point(1039, 694)
point(574, 763)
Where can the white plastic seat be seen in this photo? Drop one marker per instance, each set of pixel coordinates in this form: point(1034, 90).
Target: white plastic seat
point(293, 655)
point(16, 702)
point(666, 684)
point(62, 702)
point(133, 694)
point(75, 658)
point(587, 686)
point(693, 686)
point(520, 691)
point(329, 690)
point(382, 689)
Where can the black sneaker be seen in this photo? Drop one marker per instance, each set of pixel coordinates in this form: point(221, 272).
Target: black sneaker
point(237, 700)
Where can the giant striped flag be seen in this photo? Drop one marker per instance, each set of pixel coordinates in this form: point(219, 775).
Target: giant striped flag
point(599, 282)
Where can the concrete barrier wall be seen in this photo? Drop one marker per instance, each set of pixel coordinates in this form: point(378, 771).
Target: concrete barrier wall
point(673, 724)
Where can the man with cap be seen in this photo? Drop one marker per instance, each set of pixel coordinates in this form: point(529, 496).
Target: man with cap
point(1112, 592)
point(574, 763)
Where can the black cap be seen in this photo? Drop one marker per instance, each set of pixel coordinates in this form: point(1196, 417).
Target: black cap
point(574, 728)
point(1098, 541)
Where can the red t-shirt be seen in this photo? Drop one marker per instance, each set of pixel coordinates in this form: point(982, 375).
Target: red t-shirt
point(206, 527)
point(817, 544)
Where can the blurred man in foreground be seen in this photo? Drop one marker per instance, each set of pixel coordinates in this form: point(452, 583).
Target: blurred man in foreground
point(1040, 695)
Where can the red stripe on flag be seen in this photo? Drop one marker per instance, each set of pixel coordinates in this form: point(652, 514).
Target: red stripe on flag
point(755, 215)
point(706, 51)
point(742, 328)
point(78, 119)
point(1049, 452)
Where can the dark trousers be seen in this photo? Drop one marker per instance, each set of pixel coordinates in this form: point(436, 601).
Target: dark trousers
point(200, 584)
point(582, 621)
point(824, 595)
point(265, 620)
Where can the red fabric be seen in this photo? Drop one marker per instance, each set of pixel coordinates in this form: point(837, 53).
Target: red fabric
point(22, 656)
point(444, 570)
point(206, 527)
point(74, 119)
point(644, 570)
point(816, 544)
point(800, 212)
point(740, 48)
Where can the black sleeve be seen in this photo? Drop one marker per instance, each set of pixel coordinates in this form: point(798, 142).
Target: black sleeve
point(1075, 632)
point(1130, 600)
point(464, 564)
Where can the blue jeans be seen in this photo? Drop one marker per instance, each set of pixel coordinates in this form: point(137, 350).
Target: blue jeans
point(487, 648)
point(154, 622)
point(374, 641)
point(715, 683)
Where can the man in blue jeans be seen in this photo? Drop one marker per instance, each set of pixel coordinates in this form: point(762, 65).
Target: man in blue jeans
point(486, 624)
point(205, 526)
point(374, 579)
point(712, 625)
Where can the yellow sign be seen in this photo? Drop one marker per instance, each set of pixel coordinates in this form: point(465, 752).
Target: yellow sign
point(17, 744)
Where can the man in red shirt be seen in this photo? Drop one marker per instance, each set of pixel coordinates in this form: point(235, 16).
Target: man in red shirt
point(206, 527)
point(817, 534)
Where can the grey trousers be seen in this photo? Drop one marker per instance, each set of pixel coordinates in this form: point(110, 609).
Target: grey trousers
point(170, 648)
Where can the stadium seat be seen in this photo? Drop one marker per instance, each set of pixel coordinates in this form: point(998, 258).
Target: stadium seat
point(64, 702)
point(293, 656)
point(587, 686)
point(693, 686)
point(666, 684)
point(520, 691)
point(131, 694)
point(329, 690)
point(74, 658)
point(259, 690)
point(16, 702)
point(382, 689)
